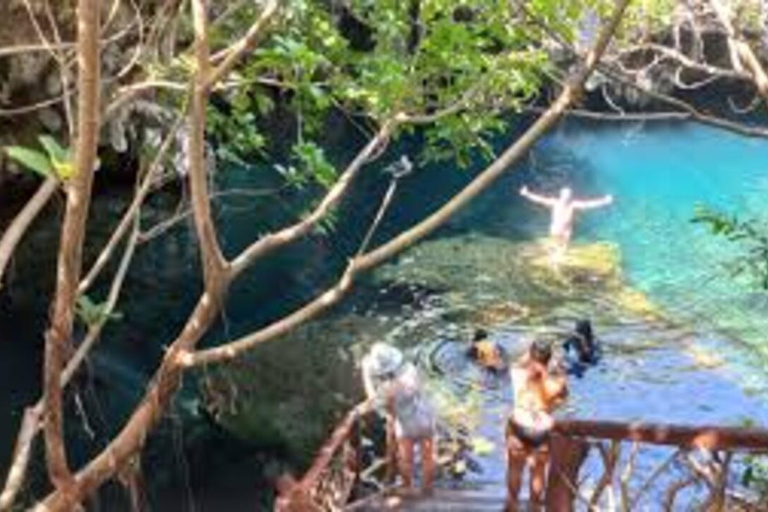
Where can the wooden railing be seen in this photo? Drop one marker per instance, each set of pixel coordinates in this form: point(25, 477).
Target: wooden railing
point(329, 482)
point(337, 468)
point(702, 456)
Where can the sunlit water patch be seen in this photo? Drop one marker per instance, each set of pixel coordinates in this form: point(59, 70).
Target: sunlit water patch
point(658, 175)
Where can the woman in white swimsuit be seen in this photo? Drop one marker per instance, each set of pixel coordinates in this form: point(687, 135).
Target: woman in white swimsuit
point(394, 383)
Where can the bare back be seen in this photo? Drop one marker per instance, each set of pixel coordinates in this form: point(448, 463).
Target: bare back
point(537, 391)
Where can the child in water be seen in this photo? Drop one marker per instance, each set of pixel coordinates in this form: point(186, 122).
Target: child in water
point(487, 353)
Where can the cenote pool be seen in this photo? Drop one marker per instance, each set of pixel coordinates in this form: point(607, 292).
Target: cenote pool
point(683, 342)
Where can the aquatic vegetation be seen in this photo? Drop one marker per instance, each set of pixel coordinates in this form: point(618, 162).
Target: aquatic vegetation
point(750, 235)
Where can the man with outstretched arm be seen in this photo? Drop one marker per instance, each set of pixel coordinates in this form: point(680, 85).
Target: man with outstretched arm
point(564, 208)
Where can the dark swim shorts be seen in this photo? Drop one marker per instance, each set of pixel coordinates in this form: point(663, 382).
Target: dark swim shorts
point(530, 436)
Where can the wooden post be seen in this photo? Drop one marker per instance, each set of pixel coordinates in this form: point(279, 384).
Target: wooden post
point(566, 457)
point(391, 451)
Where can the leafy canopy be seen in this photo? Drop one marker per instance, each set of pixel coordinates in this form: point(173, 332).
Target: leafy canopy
point(477, 59)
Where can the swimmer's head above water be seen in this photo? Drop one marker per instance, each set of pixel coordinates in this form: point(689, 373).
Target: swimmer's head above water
point(566, 194)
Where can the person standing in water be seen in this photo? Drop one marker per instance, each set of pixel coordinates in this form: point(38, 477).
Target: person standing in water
point(537, 392)
point(564, 208)
point(394, 383)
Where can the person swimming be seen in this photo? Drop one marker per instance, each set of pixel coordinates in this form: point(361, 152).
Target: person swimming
point(585, 347)
point(537, 392)
point(487, 353)
point(564, 208)
point(583, 342)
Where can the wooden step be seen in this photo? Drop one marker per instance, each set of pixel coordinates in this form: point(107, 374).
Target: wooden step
point(485, 499)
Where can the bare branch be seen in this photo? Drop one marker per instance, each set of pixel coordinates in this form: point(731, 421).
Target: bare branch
point(323, 302)
point(57, 338)
point(268, 243)
point(94, 331)
point(15, 231)
point(671, 494)
point(649, 481)
point(30, 425)
point(742, 56)
point(164, 225)
point(146, 414)
point(33, 415)
point(38, 105)
point(212, 258)
point(133, 208)
point(684, 60)
point(59, 57)
point(693, 113)
point(245, 45)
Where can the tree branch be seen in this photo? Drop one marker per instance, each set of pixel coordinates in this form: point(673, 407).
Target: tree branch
point(323, 302)
point(33, 415)
point(245, 45)
point(147, 413)
point(15, 231)
point(690, 110)
point(270, 242)
point(610, 458)
point(626, 475)
point(30, 425)
point(57, 338)
point(212, 258)
point(685, 61)
point(742, 56)
point(373, 258)
point(133, 209)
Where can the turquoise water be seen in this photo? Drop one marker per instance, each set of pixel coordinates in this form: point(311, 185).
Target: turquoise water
point(658, 174)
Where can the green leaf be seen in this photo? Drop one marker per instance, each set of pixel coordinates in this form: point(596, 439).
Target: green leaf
point(33, 160)
point(481, 446)
point(54, 150)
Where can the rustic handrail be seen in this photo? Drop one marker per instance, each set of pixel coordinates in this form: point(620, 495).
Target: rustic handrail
point(299, 496)
point(339, 436)
point(709, 437)
point(569, 447)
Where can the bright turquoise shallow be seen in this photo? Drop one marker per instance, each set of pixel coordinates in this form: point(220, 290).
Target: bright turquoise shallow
point(658, 174)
